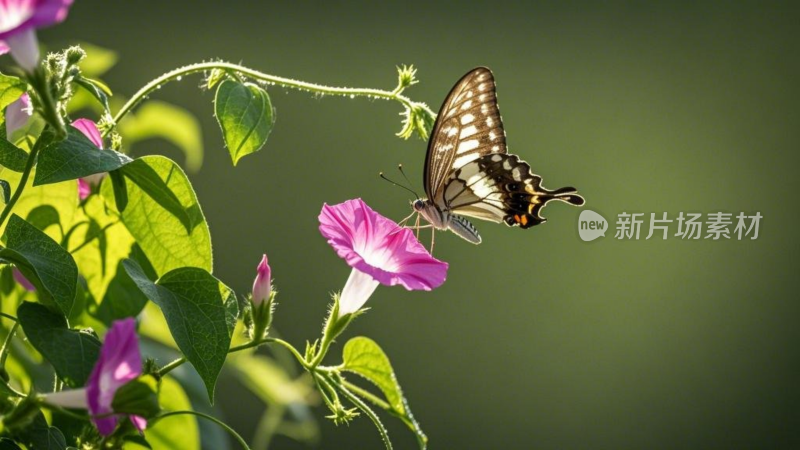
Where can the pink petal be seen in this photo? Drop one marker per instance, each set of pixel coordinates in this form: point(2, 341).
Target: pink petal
point(89, 129)
point(377, 246)
point(84, 189)
point(262, 286)
point(20, 15)
point(120, 362)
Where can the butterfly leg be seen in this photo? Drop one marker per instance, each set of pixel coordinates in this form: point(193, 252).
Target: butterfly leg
point(403, 222)
point(433, 238)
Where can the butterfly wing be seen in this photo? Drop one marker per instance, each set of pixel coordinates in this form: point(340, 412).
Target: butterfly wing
point(468, 126)
point(502, 188)
point(468, 170)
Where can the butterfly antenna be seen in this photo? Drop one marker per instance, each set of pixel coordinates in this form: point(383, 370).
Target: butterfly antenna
point(398, 185)
point(403, 172)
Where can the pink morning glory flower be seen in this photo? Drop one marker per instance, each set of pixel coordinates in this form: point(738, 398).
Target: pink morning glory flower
point(119, 363)
point(379, 251)
point(19, 20)
point(262, 286)
point(17, 114)
point(89, 129)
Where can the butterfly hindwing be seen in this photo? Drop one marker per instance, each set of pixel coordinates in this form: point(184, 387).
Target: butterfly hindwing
point(502, 188)
point(468, 127)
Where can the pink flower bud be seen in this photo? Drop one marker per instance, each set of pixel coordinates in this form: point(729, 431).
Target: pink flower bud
point(262, 286)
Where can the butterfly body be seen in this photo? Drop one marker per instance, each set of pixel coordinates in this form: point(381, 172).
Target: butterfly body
point(469, 172)
point(445, 220)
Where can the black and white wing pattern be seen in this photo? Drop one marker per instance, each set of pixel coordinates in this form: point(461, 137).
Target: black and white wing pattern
point(468, 169)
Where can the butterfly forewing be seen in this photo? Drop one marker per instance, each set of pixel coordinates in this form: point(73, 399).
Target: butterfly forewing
point(468, 126)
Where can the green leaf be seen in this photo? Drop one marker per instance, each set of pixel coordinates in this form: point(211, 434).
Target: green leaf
point(43, 216)
point(138, 397)
point(149, 181)
point(43, 262)
point(11, 156)
point(245, 115)
point(163, 215)
point(200, 314)
point(41, 436)
point(61, 196)
point(72, 353)
point(73, 158)
point(6, 188)
point(364, 357)
point(99, 241)
point(140, 441)
point(11, 88)
point(174, 432)
point(157, 119)
point(97, 90)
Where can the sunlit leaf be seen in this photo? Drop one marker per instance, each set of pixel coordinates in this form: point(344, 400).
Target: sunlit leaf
point(160, 205)
point(11, 88)
point(364, 357)
point(245, 115)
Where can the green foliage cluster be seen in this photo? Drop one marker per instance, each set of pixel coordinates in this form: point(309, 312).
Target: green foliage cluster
point(139, 246)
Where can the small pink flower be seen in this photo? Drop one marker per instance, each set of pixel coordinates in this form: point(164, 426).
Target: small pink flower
point(379, 251)
point(19, 20)
point(262, 286)
point(17, 114)
point(119, 363)
point(89, 129)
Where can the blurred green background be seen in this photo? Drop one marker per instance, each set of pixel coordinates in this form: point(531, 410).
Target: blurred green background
point(537, 339)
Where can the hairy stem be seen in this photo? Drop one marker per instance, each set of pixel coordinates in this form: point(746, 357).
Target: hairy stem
point(178, 362)
point(238, 70)
point(364, 408)
point(21, 186)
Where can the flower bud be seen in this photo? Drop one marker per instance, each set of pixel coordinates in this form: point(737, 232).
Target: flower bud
point(258, 316)
point(262, 286)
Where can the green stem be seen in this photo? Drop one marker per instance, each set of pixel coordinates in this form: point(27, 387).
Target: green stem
point(6, 343)
point(222, 424)
point(174, 364)
point(377, 401)
point(364, 408)
point(263, 77)
point(292, 350)
point(21, 186)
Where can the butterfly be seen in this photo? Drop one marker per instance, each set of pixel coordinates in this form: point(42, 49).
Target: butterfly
point(469, 172)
